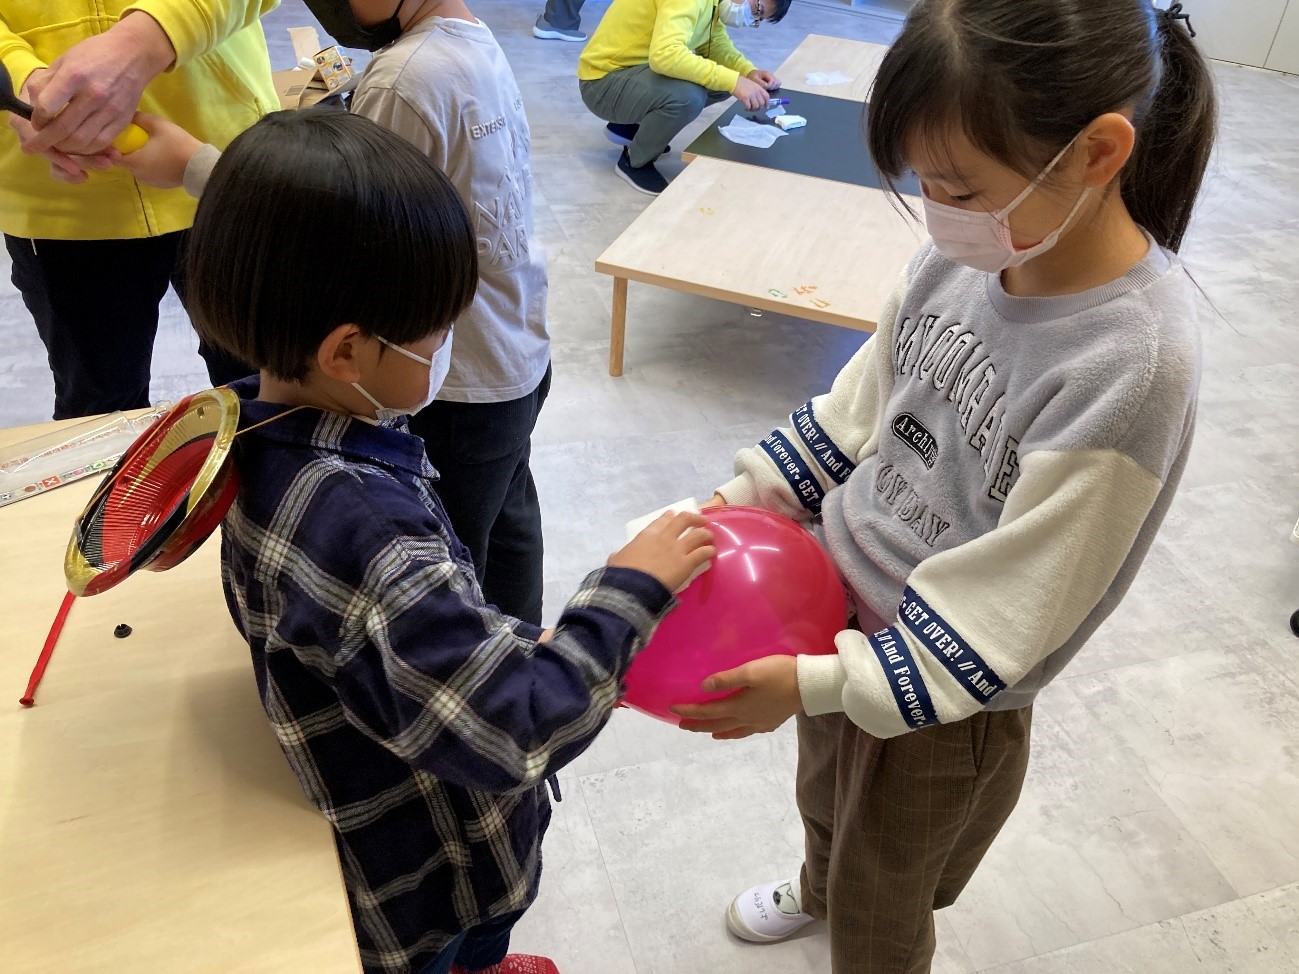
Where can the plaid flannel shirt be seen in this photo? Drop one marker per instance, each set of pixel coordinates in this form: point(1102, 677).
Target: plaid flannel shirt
point(418, 719)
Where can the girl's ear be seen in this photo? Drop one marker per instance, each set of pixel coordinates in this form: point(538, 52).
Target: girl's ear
point(339, 355)
point(1106, 145)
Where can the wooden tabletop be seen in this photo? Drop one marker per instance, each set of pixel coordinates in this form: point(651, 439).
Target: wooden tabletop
point(859, 60)
point(813, 248)
point(148, 821)
point(817, 248)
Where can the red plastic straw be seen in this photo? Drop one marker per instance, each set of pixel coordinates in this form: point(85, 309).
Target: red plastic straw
point(29, 698)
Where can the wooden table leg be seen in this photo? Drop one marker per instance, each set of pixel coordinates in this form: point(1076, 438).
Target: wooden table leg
point(618, 327)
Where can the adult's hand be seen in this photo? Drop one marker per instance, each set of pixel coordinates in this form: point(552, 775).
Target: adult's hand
point(764, 78)
point(88, 95)
point(63, 167)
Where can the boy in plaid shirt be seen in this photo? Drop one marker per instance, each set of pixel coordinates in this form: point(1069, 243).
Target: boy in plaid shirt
point(418, 719)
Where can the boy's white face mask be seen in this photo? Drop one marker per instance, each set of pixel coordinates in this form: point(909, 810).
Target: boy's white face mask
point(737, 14)
point(982, 240)
point(438, 367)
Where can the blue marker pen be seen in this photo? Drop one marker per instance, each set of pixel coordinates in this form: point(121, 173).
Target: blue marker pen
point(778, 101)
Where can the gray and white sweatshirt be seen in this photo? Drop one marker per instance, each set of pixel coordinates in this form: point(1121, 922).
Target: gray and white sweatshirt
point(990, 471)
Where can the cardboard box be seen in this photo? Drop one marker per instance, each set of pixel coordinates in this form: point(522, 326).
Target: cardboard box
point(329, 75)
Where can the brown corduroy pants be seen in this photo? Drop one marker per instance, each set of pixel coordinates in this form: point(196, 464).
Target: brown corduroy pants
point(895, 828)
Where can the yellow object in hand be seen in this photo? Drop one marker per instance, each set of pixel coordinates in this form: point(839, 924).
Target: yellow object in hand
point(131, 138)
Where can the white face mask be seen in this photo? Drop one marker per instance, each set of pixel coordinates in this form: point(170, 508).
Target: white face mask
point(982, 240)
point(438, 367)
point(737, 14)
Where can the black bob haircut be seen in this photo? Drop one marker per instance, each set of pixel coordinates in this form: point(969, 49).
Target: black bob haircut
point(782, 8)
point(1021, 78)
point(317, 218)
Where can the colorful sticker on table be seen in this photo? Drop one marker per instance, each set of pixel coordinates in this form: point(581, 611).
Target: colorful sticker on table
point(820, 303)
point(803, 289)
point(776, 294)
point(706, 210)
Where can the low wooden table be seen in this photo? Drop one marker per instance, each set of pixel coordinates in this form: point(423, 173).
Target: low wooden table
point(148, 821)
point(841, 246)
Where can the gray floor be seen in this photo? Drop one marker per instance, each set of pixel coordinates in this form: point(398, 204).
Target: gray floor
point(1159, 830)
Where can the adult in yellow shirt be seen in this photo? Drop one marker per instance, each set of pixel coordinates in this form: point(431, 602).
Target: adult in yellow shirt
point(652, 66)
point(92, 250)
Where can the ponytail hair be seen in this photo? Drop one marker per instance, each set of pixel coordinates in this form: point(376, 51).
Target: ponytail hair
point(1174, 137)
point(1021, 78)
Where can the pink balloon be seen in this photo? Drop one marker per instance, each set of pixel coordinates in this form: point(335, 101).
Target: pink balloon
point(771, 590)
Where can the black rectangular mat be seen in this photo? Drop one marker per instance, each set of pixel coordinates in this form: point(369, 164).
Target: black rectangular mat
point(831, 146)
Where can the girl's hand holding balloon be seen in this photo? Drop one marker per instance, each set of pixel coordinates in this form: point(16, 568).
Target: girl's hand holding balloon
point(764, 695)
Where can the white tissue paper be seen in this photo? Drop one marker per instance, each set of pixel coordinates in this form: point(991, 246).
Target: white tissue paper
point(641, 523)
point(787, 122)
point(827, 78)
point(743, 132)
point(638, 525)
point(773, 112)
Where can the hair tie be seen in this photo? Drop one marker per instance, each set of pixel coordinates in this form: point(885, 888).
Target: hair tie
point(1174, 13)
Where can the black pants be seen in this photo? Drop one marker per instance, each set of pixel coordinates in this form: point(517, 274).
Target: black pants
point(96, 308)
point(481, 450)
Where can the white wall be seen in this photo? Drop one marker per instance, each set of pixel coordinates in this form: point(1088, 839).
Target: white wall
point(1247, 31)
point(1284, 55)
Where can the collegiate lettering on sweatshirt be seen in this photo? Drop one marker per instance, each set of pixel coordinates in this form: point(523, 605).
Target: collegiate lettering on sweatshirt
point(990, 472)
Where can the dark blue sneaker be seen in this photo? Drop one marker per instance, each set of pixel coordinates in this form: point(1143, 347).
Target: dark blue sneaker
point(646, 179)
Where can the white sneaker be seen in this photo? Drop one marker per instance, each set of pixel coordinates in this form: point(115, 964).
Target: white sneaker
point(767, 913)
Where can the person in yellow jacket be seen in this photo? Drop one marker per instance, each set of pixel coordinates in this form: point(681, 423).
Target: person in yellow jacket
point(652, 66)
point(93, 250)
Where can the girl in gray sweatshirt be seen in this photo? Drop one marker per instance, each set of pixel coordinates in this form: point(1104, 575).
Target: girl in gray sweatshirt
point(989, 470)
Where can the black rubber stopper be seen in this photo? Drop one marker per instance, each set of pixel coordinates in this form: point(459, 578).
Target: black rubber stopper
point(122, 631)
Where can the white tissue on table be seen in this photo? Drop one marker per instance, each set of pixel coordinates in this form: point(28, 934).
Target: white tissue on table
point(744, 132)
point(787, 122)
point(827, 78)
point(773, 112)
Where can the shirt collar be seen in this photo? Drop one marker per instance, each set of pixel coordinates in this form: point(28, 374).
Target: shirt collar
point(389, 443)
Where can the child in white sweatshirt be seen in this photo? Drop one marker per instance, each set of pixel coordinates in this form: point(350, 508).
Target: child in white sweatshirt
point(440, 80)
point(990, 469)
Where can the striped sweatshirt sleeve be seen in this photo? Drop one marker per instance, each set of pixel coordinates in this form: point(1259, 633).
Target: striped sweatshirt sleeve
point(1004, 612)
point(979, 618)
point(1048, 530)
point(792, 470)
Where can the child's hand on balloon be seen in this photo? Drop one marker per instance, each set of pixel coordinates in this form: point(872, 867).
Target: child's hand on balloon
point(763, 695)
point(671, 549)
point(717, 501)
point(162, 160)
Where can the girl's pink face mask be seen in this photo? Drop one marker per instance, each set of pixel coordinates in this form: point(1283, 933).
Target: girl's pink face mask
point(979, 239)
